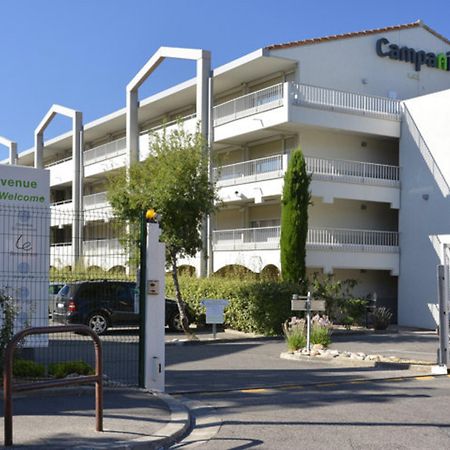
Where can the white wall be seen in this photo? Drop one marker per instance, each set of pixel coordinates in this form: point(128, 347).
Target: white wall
point(345, 63)
point(425, 210)
point(327, 144)
point(349, 214)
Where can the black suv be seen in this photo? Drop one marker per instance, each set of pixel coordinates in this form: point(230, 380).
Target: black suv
point(104, 304)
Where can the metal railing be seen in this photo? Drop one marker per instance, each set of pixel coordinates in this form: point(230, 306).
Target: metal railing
point(256, 169)
point(353, 169)
point(273, 167)
point(59, 161)
point(344, 237)
point(102, 246)
point(105, 151)
point(246, 105)
point(98, 200)
point(8, 386)
point(168, 124)
point(303, 94)
point(269, 238)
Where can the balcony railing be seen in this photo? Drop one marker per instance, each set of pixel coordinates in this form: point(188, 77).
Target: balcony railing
point(303, 94)
point(105, 151)
point(254, 170)
point(102, 246)
point(97, 200)
point(353, 170)
point(326, 238)
point(274, 167)
point(249, 104)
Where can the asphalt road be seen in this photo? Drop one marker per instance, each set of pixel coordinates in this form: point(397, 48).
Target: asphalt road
point(403, 414)
point(244, 396)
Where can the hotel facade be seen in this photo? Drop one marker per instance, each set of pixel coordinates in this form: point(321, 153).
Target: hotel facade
point(370, 112)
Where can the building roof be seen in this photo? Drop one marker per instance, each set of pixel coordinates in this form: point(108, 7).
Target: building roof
point(336, 37)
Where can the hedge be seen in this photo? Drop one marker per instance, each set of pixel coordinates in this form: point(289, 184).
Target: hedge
point(255, 306)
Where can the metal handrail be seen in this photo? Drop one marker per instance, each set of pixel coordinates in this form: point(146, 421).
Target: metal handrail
point(8, 375)
point(305, 94)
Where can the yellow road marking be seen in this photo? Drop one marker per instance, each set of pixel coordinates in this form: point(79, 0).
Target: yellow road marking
point(326, 384)
point(254, 391)
point(425, 377)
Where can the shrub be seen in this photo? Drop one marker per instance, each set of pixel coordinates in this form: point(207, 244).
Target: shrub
point(27, 368)
point(254, 305)
point(294, 333)
point(381, 318)
point(341, 305)
point(61, 370)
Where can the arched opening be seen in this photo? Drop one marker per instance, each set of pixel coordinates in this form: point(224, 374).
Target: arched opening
point(186, 270)
point(234, 270)
point(271, 273)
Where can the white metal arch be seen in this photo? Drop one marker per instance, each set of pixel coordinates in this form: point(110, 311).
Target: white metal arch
point(12, 147)
point(203, 104)
point(77, 179)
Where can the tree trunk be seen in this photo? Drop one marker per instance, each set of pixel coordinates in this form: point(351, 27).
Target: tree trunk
point(179, 299)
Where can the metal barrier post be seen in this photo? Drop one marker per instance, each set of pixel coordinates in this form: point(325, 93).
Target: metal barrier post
point(8, 375)
point(443, 316)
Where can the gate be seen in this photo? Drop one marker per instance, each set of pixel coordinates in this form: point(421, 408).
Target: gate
point(94, 271)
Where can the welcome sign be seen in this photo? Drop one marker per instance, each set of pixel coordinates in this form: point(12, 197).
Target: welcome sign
point(25, 245)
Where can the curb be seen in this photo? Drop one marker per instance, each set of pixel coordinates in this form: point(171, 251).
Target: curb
point(179, 426)
point(401, 364)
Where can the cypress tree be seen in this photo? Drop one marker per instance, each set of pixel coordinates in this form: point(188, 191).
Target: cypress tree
point(294, 219)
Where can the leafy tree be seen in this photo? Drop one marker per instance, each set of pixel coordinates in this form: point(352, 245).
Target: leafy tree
point(174, 181)
point(294, 219)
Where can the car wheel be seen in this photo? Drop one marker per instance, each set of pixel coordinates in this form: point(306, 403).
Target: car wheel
point(98, 322)
point(175, 322)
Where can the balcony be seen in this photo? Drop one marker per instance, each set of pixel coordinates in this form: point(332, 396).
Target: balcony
point(325, 238)
point(327, 248)
point(349, 102)
point(247, 105)
point(104, 253)
point(287, 103)
point(263, 178)
point(105, 151)
point(63, 213)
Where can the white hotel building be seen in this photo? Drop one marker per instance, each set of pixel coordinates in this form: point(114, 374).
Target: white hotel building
point(370, 111)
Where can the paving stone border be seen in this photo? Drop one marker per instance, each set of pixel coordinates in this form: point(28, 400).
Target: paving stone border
point(319, 353)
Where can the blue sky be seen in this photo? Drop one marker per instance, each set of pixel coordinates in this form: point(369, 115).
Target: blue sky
point(82, 53)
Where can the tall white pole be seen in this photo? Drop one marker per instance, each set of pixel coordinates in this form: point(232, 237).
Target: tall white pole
point(155, 311)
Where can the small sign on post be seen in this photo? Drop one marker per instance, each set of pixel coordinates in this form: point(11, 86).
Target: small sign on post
point(214, 312)
point(308, 304)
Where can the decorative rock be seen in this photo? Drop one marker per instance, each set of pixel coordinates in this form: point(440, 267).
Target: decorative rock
point(376, 358)
point(356, 356)
point(318, 347)
point(333, 353)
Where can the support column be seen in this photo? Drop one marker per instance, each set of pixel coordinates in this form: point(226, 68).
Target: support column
point(39, 150)
point(204, 94)
point(77, 187)
point(132, 132)
point(12, 147)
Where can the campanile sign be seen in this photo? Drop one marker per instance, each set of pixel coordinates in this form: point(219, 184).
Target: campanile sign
point(25, 244)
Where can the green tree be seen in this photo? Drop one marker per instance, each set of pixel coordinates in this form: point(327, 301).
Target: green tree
point(294, 219)
point(174, 181)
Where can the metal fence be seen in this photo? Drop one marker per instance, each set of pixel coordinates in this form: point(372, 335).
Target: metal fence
point(39, 255)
